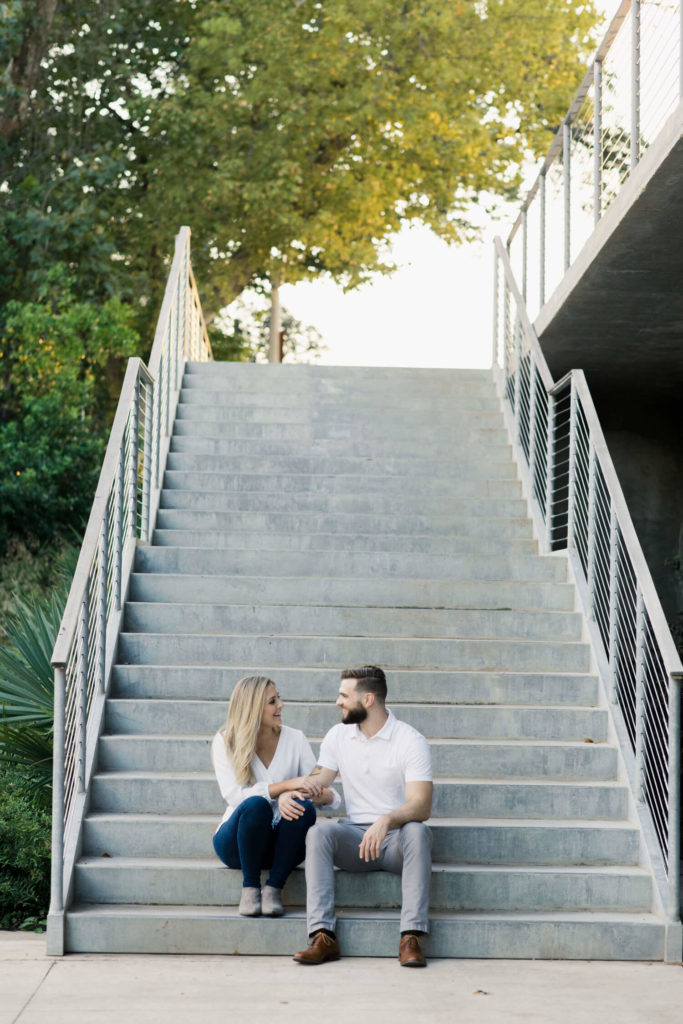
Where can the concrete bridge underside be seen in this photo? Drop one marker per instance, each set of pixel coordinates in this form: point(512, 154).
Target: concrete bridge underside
point(618, 313)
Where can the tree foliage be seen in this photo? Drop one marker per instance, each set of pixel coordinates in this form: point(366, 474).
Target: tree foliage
point(302, 135)
point(56, 354)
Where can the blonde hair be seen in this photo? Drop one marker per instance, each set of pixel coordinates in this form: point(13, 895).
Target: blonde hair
point(240, 731)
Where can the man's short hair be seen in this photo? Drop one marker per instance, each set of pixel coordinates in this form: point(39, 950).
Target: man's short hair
point(369, 679)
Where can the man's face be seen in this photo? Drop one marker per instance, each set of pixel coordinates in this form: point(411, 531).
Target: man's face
point(351, 703)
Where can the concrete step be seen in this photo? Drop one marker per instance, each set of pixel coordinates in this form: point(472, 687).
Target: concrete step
point(220, 930)
point(355, 565)
point(405, 686)
point(345, 621)
point(394, 593)
point(175, 792)
point(492, 655)
point(456, 840)
point(461, 887)
point(220, 445)
point(454, 487)
point(411, 503)
point(351, 542)
point(455, 422)
point(271, 378)
point(346, 402)
point(475, 430)
point(449, 527)
point(455, 721)
point(405, 468)
point(465, 758)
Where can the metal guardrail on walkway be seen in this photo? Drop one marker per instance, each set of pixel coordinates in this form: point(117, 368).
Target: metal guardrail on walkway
point(579, 505)
point(123, 512)
point(633, 85)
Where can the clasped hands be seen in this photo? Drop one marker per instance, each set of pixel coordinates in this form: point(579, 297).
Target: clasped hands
point(303, 788)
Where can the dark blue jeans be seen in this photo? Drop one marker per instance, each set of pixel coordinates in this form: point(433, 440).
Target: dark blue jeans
point(247, 840)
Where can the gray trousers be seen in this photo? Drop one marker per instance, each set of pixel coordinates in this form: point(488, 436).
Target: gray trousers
point(406, 851)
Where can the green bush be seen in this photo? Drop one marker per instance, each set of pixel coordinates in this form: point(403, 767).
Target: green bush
point(24, 856)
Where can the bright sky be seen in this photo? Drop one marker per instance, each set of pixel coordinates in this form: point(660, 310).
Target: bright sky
point(436, 310)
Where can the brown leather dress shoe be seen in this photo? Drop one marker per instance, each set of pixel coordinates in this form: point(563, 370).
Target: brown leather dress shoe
point(409, 952)
point(320, 949)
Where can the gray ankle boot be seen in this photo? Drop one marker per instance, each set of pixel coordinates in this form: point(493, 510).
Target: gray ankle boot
point(272, 901)
point(250, 903)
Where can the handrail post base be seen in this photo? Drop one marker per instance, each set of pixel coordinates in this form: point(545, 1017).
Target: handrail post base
point(673, 942)
point(55, 934)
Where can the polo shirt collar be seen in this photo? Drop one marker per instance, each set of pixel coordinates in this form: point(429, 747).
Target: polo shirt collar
point(385, 732)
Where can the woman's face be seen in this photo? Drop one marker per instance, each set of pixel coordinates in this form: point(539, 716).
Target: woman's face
point(272, 709)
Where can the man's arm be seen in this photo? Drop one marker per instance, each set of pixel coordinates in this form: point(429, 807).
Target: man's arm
point(417, 807)
point(319, 779)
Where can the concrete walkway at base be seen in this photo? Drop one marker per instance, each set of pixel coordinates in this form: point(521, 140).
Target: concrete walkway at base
point(132, 989)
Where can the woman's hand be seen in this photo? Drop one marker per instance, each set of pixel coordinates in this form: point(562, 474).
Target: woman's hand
point(324, 797)
point(290, 806)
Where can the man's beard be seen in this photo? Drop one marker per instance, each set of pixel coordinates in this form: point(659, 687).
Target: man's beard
point(354, 716)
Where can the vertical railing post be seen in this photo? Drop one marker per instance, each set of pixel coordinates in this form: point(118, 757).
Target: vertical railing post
point(566, 161)
point(168, 347)
point(525, 252)
point(156, 420)
point(496, 271)
point(640, 694)
point(550, 472)
point(590, 553)
point(103, 560)
point(118, 525)
point(571, 490)
point(506, 328)
point(674, 809)
point(541, 283)
point(133, 468)
point(147, 464)
point(533, 400)
point(83, 658)
point(58, 739)
point(635, 82)
point(613, 602)
point(518, 376)
point(597, 141)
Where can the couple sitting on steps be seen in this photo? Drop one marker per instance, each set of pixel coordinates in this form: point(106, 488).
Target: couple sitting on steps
point(272, 785)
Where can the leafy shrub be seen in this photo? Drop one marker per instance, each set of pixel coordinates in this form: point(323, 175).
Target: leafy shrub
point(24, 855)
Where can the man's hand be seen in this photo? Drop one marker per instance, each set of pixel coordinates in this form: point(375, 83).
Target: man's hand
point(289, 805)
point(371, 842)
point(314, 784)
point(310, 786)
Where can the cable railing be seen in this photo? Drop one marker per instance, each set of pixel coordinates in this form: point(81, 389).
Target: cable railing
point(123, 513)
point(634, 84)
point(578, 506)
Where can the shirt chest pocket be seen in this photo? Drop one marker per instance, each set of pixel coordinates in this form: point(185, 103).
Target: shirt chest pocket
point(386, 774)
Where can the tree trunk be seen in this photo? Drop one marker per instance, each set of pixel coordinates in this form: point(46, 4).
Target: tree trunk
point(23, 70)
point(275, 322)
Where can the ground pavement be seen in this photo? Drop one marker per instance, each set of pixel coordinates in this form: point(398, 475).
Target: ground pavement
point(104, 989)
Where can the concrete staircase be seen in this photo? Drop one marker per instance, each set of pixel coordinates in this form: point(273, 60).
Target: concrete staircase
point(317, 517)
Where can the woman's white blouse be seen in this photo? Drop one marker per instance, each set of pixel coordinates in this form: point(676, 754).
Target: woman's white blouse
point(293, 757)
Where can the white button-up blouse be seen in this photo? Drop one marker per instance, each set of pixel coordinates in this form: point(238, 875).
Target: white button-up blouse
point(293, 757)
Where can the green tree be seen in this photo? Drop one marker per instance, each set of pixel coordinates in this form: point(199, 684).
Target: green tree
point(55, 355)
point(302, 135)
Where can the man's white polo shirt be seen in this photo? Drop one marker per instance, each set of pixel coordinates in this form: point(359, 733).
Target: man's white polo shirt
point(374, 771)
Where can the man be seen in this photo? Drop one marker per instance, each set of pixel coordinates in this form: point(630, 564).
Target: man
point(385, 769)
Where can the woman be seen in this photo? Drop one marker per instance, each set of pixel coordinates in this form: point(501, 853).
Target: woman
point(260, 766)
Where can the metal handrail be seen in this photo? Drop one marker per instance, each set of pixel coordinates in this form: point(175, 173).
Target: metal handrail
point(123, 513)
point(579, 506)
point(633, 84)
